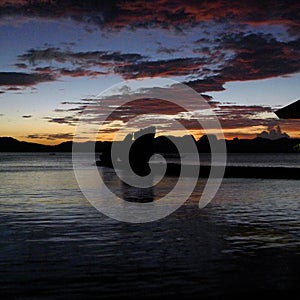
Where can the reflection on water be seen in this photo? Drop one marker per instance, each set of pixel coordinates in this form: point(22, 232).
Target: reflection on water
point(133, 194)
point(53, 244)
point(127, 192)
point(291, 160)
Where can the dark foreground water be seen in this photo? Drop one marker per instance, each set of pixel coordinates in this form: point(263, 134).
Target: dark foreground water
point(55, 245)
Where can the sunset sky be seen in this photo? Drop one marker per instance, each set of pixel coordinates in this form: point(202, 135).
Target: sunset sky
point(57, 55)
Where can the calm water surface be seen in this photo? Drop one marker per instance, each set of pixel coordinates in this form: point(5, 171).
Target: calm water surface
point(55, 245)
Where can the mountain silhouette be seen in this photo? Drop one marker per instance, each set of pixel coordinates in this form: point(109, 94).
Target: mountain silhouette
point(163, 145)
point(291, 111)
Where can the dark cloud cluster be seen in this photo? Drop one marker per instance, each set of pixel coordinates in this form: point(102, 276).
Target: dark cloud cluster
point(260, 56)
point(234, 54)
point(89, 58)
point(253, 56)
point(212, 83)
point(128, 65)
point(166, 14)
point(161, 68)
point(70, 120)
point(86, 64)
point(77, 72)
point(23, 79)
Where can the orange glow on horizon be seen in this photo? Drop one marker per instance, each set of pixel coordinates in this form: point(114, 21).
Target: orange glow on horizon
point(241, 133)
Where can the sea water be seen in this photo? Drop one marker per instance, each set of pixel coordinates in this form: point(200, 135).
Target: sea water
point(55, 245)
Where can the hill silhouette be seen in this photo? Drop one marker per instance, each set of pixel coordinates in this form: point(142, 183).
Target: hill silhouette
point(164, 144)
point(291, 111)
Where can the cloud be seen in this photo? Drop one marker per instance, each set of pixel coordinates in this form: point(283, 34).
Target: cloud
point(253, 57)
point(166, 14)
point(79, 72)
point(170, 67)
point(26, 116)
point(230, 116)
point(128, 65)
point(89, 12)
point(235, 116)
point(273, 133)
point(86, 64)
point(14, 88)
point(233, 57)
point(89, 58)
point(166, 50)
point(75, 72)
point(213, 83)
point(21, 65)
point(236, 120)
point(56, 136)
point(259, 56)
point(230, 45)
point(124, 113)
point(23, 79)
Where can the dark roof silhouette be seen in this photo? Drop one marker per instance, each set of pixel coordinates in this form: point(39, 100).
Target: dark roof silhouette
point(291, 111)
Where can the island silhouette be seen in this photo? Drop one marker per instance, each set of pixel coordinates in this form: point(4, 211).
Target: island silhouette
point(144, 144)
point(164, 144)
